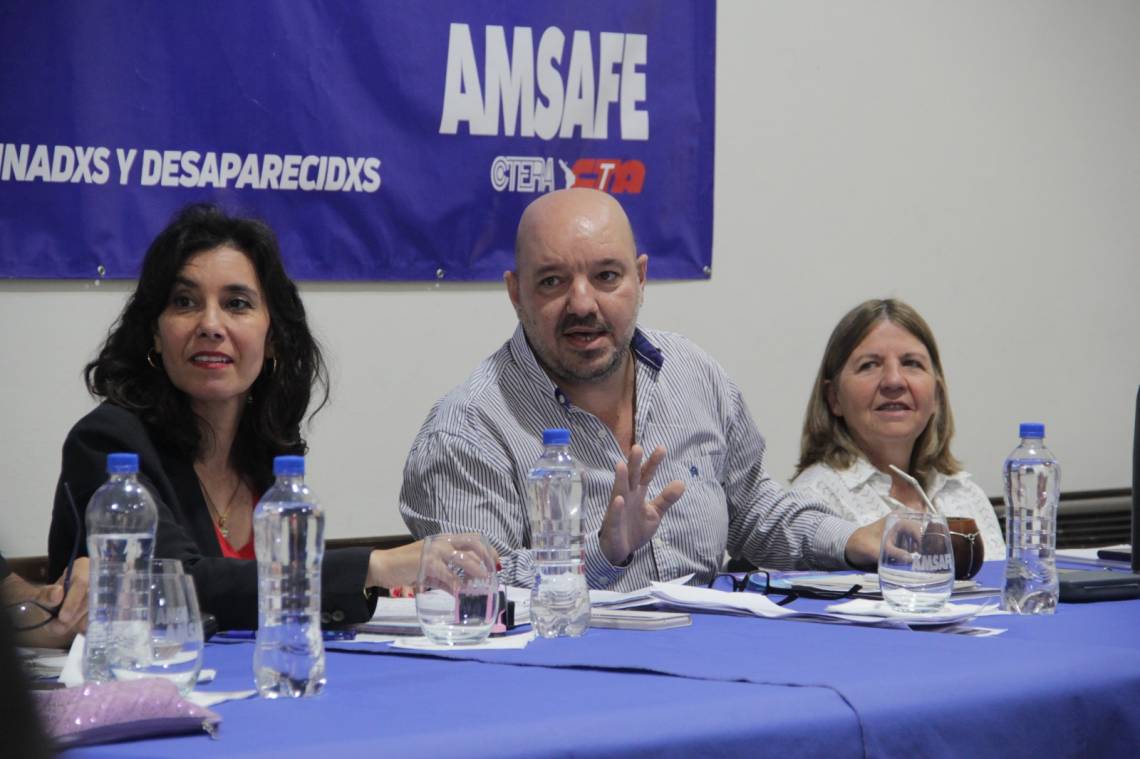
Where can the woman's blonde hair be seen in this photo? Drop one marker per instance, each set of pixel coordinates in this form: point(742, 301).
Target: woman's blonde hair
point(826, 437)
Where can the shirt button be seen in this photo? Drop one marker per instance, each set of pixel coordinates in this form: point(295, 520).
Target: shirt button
point(338, 616)
point(602, 434)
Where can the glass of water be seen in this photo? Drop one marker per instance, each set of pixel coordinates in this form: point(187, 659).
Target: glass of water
point(457, 588)
point(175, 627)
point(916, 562)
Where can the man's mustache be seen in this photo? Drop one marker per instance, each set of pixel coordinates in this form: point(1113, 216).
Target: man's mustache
point(587, 322)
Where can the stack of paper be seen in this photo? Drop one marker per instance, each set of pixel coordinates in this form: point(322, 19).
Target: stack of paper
point(949, 614)
point(868, 584)
point(613, 599)
point(393, 616)
point(859, 611)
point(628, 619)
point(709, 600)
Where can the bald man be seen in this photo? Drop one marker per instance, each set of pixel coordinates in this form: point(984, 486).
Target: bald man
point(579, 360)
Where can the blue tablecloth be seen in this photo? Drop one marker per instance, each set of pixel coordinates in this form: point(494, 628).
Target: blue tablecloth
point(1067, 684)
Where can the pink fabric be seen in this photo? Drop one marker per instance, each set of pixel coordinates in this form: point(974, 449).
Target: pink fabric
point(110, 712)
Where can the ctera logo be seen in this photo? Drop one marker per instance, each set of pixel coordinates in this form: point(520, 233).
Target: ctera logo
point(513, 173)
point(517, 173)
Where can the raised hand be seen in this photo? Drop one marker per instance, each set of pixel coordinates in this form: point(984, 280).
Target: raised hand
point(631, 520)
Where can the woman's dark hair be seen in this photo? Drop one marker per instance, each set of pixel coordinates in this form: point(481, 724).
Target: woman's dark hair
point(271, 422)
point(826, 437)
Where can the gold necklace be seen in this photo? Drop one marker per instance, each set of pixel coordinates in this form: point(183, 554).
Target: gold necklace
point(221, 517)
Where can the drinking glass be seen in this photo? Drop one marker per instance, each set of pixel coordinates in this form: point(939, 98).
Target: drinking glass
point(456, 590)
point(175, 628)
point(916, 562)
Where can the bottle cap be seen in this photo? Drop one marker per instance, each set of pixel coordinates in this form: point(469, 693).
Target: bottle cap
point(1032, 429)
point(288, 465)
point(122, 463)
point(556, 436)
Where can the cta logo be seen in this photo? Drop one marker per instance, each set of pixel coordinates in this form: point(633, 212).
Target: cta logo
point(609, 175)
point(536, 174)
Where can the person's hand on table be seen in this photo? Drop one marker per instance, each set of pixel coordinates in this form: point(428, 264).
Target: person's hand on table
point(398, 568)
point(71, 602)
point(394, 567)
point(862, 550)
point(72, 617)
point(631, 520)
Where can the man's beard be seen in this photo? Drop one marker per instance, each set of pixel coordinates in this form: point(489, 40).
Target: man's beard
point(562, 372)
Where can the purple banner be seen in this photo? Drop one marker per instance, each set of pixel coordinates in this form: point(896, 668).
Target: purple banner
point(382, 141)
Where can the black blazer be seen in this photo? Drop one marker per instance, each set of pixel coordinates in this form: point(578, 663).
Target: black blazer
point(227, 588)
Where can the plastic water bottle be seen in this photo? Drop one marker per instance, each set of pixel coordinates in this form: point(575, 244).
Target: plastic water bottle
point(559, 598)
point(1032, 481)
point(289, 537)
point(121, 522)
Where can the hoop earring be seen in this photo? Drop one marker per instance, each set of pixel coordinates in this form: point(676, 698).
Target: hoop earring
point(150, 358)
point(272, 365)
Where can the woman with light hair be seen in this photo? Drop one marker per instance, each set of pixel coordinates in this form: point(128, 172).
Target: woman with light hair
point(880, 399)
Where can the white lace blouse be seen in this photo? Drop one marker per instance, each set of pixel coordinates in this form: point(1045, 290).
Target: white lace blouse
point(856, 494)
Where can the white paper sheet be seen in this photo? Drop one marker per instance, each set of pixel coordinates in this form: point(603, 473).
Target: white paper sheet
point(500, 643)
point(948, 614)
point(72, 672)
point(1089, 553)
point(707, 599)
point(615, 599)
point(212, 698)
point(858, 611)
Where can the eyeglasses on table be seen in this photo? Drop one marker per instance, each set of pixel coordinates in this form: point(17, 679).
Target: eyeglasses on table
point(760, 581)
point(31, 614)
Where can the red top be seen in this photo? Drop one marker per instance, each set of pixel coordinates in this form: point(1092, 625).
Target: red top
point(229, 552)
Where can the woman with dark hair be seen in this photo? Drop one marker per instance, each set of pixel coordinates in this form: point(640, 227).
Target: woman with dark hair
point(879, 399)
point(207, 375)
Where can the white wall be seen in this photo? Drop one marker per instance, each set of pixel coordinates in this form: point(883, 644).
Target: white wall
point(977, 159)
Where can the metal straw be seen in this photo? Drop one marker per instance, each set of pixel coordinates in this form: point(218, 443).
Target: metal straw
point(914, 483)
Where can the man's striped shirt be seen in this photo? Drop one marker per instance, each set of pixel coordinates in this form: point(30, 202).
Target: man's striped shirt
point(467, 470)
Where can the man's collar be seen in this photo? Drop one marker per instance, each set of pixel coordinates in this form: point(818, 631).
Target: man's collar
point(643, 350)
point(646, 352)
